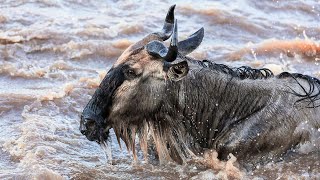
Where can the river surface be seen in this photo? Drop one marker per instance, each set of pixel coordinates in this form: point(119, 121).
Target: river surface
point(54, 53)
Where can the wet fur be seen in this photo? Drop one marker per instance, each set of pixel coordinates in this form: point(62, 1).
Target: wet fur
point(244, 111)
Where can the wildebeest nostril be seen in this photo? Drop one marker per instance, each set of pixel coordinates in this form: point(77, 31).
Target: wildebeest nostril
point(83, 128)
point(83, 131)
point(86, 125)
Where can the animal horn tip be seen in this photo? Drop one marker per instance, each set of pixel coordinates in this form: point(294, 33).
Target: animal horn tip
point(200, 31)
point(172, 7)
point(170, 14)
point(190, 44)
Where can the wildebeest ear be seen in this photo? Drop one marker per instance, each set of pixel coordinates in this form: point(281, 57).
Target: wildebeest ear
point(191, 43)
point(176, 71)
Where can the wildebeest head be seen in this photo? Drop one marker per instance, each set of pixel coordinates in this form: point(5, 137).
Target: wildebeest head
point(135, 85)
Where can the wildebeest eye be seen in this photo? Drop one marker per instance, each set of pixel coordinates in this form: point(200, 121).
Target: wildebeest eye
point(130, 73)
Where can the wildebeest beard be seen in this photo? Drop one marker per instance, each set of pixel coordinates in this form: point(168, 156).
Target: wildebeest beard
point(97, 110)
point(168, 137)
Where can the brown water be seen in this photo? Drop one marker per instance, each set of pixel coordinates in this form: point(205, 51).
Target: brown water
point(53, 53)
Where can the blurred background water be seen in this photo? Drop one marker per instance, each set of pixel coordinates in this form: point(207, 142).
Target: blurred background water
point(54, 53)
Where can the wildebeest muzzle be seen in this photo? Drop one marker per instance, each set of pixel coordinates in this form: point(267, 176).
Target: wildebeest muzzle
point(93, 127)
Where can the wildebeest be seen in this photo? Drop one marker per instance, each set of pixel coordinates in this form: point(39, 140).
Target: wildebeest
point(189, 106)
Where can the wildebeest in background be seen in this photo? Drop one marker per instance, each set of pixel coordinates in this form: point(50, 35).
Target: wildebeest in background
point(189, 105)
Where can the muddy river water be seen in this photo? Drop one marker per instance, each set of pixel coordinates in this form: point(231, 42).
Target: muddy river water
point(54, 53)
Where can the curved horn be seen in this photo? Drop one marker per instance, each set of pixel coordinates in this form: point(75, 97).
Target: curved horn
point(191, 43)
point(168, 25)
point(173, 48)
point(158, 49)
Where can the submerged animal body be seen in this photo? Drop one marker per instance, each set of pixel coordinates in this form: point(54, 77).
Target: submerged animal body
point(189, 106)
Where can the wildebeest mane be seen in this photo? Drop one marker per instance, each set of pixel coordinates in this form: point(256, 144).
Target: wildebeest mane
point(243, 72)
point(310, 95)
